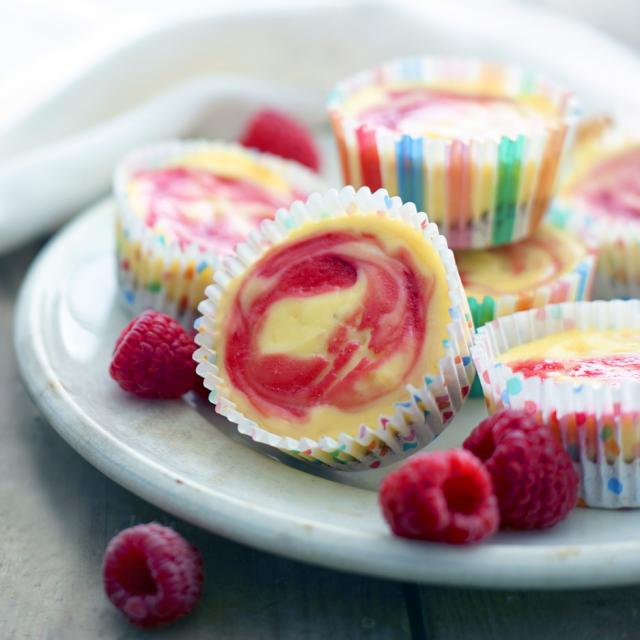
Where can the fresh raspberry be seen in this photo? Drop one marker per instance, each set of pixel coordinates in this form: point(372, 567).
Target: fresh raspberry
point(152, 574)
point(153, 357)
point(444, 496)
point(533, 476)
point(275, 132)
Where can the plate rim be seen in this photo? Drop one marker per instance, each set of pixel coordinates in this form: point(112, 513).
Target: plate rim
point(489, 565)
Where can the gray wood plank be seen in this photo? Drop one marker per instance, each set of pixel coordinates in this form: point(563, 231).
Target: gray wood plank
point(465, 614)
point(58, 513)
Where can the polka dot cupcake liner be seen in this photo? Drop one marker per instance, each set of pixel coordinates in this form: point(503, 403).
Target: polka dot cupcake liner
point(154, 273)
point(481, 191)
point(426, 409)
point(599, 425)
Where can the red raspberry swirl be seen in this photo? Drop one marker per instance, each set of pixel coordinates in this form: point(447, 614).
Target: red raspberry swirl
point(401, 104)
point(390, 319)
point(613, 187)
point(198, 206)
point(615, 368)
point(417, 111)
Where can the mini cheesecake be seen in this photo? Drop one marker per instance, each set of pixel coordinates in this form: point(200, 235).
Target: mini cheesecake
point(183, 206)
point(350, 327)
point(522, 268)
point(464, 111)
point(476, 144)
point(576, 366)
point(610, 188)
point(328, 328)
point(602, 197)
point(211, 199)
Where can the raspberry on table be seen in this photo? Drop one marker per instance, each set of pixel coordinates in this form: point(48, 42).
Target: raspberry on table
point(275, 132)
point(533, 476)
point(152, 574)
point(442, 496)
point(153, 357)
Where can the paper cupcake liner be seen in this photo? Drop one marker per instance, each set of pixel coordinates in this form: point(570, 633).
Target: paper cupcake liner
point(599, 425)
point(427, 409)
point(156, 274)
point(481, 192)
point(574, 285)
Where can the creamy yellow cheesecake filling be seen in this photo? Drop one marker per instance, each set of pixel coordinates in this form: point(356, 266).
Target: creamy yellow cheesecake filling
point(523, 266)
point(449, 110)
point(325, 331)
point(212, 197)
point(593, 356)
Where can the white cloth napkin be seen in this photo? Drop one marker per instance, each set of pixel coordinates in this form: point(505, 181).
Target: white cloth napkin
point(174, 81)
point(41, 187)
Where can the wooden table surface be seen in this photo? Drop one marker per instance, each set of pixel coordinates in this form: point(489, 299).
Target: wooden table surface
point(57, 513)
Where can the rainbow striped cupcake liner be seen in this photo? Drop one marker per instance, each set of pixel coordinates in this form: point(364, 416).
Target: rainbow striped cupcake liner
point(154, 273)
point(427, 409)
point(481, 192)
point(574, 285)
point(599, 425)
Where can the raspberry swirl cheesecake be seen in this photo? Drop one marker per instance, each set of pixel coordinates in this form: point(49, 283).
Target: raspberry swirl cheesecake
point(476, 144)
point(184, 205)
point(345, 340)
point(603, 196)
point(577, 366)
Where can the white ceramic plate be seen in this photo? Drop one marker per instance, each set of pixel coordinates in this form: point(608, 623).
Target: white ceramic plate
point(184, 458)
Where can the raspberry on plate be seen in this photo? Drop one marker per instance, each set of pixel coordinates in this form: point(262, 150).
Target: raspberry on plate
point(153, 357)
point(152, 574)
point(275, 132)
point(443, 496)
point(533, 476)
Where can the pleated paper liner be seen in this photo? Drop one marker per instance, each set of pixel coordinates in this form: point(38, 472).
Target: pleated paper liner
point(598, 424)
point(154, 273)
point(425, 411)
point(574, 285)
point(481, 192)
